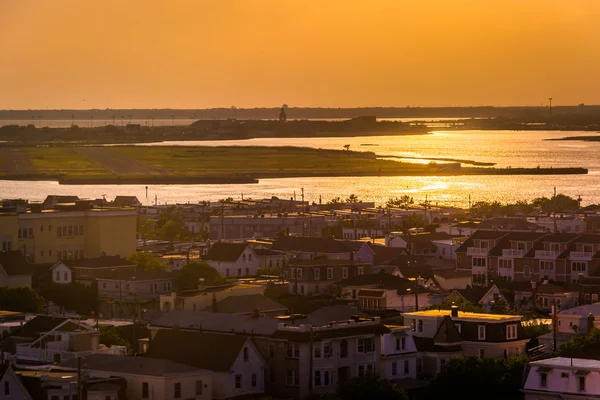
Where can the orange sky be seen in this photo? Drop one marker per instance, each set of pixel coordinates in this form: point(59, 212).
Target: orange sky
point(339, 53)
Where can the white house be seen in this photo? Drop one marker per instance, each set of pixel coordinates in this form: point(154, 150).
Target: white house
point(562, 378)
point(151, 378)
point(572, 322)
point(237, 366)
point(11, 387)
point(398, 354)
point(233, 259)
point(61, 274)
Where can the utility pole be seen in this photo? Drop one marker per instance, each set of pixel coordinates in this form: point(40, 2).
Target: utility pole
point(417, 293)
point(550, 98)
point(79, 388)
point(554, 326)
point(310, 359)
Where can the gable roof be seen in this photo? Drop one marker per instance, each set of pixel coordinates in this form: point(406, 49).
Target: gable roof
point(487, 235)
point(246, 304)
point(56, 199)
point(39, 324)
point(131, 365)
point(125, 201)
point(104, 262)
point(327, 314)
point(143, 275)
point(310, 244)
point(474, 294)
point(213, 351)
point(221, 251)
point(15, 263)
point(447, 334)
point(383, 254)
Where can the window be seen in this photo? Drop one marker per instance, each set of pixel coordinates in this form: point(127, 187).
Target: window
point(293, 273)
point(145, 391)
point(271, 351)
point(360, 271)
point(400, 344)
point(344, 272)
point(520, 245)
point(50, 228)
point(104, 285)
point(344, 348)
point(547, 265)
point(442, 363)
point(227, 272)
point(247, 271)
point(526, 271)
point(239, 272)
point(244, 258)
point(564, 375)
point(511, 332)
point(317, 378)
point(394, 368)
point(57, 276)
point(292, 378)
point(199, 388)
point(66, 276)
point(317, 351)
point(293, 351)
point(327, 350)
point(543, 380)
point(366, 345)
point(578, 266)
point(481, 332)
point(246, 357)
point(250, 257)
point(479, 261)
point(458, 327)
point(504, 263)
point(420, 325)
point(481, 353)
point(327, 375)
point(406, 367)
point(299, 273)
point(329, 273)
point(238, 381)
point(317, 274)
point(581, 384)
point(253, 380)
point(177, 391)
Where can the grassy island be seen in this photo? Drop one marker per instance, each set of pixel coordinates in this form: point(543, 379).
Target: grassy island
point(230, 164)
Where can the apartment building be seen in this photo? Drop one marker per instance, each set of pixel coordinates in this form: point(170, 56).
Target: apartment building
point(71, 232)
point(237, 227)
point(315, 277)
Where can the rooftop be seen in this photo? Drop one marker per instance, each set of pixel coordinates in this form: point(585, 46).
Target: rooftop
point(246, 304)
point(225, 252)
point(564, 362)
point(462, 315)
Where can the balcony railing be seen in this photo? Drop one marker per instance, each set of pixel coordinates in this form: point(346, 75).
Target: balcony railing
point(547, 254)
point(477, 251)
point(581, 255)
point(512, 253)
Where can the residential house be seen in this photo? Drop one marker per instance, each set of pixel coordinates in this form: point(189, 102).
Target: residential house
point(572, 322)
point(490, 298)
point(240, 227)
point(398, 355)
point(434, 352)
point(237, 366)
point(377, 255)
point(127, 201)
point(384, 291)
point(311, 248)
point(316, 277)
point(125, 294)
point(418, 244)
point(61, 274)
point(269, 260)
point(15, 271)
point(447, 280)
point(545, 295)
point(46, 339)
point(233, 259)
point(562, 378)
point(249, 304)
point(360, 233)
point(53, 385)
point(150, 378)
point(483, 335)
point(199, 299)
point(11, 387)
point(104, 266)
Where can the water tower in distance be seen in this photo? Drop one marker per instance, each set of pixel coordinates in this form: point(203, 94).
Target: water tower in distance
point(282, 116)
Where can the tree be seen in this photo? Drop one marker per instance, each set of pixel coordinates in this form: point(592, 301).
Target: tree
point(110, 335)
point(171, 230)
point(22, 299)
point(583, 344)
point(403, 201)
point(146, 261)
point(79, 298)
point(498, 378)
point(351, 199)
point(369, 386)
point(556, 203)
point(188, 277)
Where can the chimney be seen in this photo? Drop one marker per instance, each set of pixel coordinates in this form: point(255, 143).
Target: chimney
point(590, 321)
point(256, 313)
point(454, 311)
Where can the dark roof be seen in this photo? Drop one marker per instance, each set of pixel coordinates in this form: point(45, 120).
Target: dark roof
point(3, 369)
point(54, 199)
point(225, 252)
point(125, 201)
point(15, 263)
point(131, 365)
point(506, 223)
point(423, 261)
point(141, 275)
point(104, 262)
point(266, 252)
point(245, 304)
point(353, 245)
point(327, 314)
point(383, 253)
point(309, 244)
point(447, 334)
point(371, 292)
point(473, 294)
point(326, 262)
point(39, 324)
point(452, 273)
point(587, 238)
point(525, 236)
point(333, 332)
point(463, 247)
point(213, 351)
point(559, 237)
point(388, 280)
point(414, 272)
point(487, 235)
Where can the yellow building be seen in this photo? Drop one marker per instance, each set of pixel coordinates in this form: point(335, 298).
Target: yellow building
point(50, 235)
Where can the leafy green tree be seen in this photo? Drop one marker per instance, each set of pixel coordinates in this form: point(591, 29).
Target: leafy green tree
point(171, 230)
point(369, 386)
point(583, 344)
point(22, 299)
point(471, 376)
point(413, 221)
point(188, 277)
point(79, 298)
point(556, 203)
point(403, 201)
point(109, 336)
point(351, 199)
point(146, 261)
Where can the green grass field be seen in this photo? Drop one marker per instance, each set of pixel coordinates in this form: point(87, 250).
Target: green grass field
point(62, 160)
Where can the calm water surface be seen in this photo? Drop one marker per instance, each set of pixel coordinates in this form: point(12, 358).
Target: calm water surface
point(506, 148)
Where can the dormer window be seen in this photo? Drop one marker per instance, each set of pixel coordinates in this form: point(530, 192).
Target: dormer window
point(481, 332)
point(511, 332)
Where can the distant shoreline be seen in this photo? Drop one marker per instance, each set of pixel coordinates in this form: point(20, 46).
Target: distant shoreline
point(579, 138)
